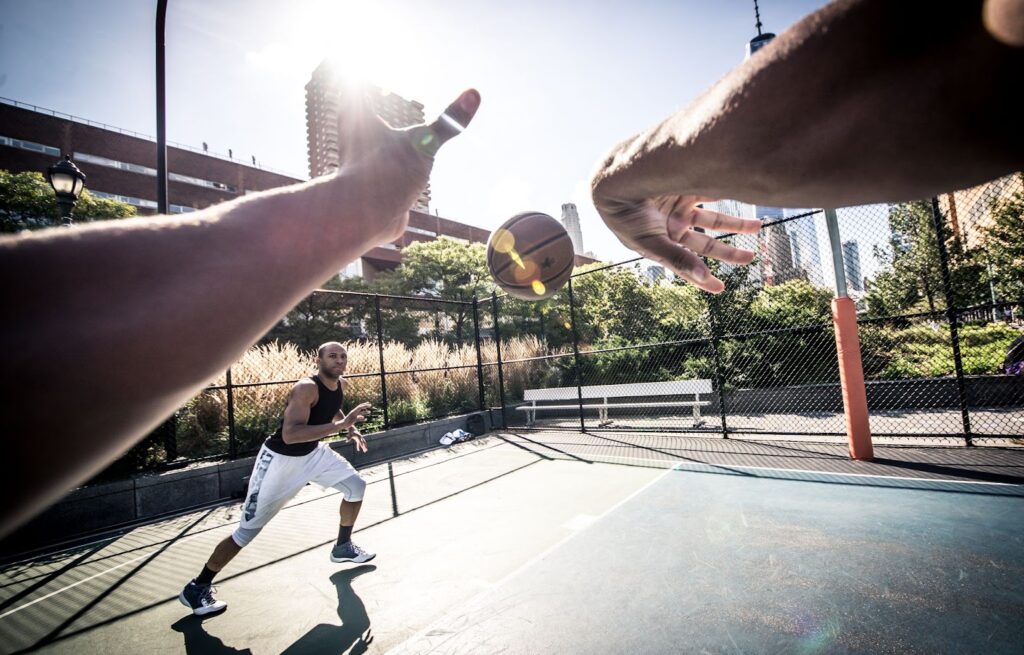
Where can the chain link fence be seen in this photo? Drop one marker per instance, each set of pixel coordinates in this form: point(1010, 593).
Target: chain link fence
point(937, 285)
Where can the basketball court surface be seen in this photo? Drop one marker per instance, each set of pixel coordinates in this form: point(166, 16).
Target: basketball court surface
point(561, 542)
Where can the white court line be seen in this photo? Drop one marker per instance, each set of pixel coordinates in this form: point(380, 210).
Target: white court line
point(529, 563)
point(96, 575)
point(72, 585)
point(850, 475)
point(680, 465)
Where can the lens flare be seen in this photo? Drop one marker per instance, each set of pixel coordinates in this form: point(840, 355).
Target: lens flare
point(526, 271)
point(504, 241)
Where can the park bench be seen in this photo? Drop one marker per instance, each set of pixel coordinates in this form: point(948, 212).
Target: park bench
point(599, 397)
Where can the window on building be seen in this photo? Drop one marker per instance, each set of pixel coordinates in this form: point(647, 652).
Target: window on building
point(29, 145)
point(146, 170)
point(417, 230)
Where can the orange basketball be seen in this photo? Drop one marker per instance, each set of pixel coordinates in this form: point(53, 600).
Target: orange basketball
point(530, 256)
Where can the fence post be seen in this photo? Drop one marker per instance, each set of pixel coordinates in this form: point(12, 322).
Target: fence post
point(719, 378)
point(851, 368)
point(232, 442)
point(576, 355)
point(951, 317)
point(479, 359)
point(497, 345)
point(380, 354)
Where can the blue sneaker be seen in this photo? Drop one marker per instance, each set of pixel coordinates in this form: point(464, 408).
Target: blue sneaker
point(199, 597)
point(349, 552)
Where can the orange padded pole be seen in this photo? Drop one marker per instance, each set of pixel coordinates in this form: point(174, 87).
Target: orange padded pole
point(851, 375)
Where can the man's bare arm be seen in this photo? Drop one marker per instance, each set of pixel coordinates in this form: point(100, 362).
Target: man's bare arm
point(123, 322)
point(862, 101)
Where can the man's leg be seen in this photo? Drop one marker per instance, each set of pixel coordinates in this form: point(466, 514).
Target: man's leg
point(272, 484)
point(344, 550)
point(331, 470)
point(349, 514)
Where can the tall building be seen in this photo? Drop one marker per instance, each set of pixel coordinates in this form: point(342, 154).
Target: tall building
point(762, 39)
point(571, 221)
point(121, 165)
point(803, 232)
point(851, 261)
point(777, 254)
point(330, 100)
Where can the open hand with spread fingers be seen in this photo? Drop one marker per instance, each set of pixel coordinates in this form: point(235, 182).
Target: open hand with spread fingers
point(662, 229)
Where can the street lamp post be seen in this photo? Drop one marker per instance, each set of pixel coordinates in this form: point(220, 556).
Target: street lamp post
point(67, 182)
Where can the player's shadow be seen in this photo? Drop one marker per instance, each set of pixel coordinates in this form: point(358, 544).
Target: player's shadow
point(200, 642)
point(354, 631)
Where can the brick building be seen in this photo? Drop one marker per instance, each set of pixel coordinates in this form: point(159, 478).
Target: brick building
point(122, 165)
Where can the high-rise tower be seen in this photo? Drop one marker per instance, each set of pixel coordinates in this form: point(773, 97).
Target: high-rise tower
point(329, 99)
point(571, 221)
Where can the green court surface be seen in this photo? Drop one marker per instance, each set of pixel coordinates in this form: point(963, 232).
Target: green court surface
point(576, 543)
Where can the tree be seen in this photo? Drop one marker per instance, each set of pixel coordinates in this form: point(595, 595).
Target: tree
point(443, 268)
point(1004, 241)
point(913, 280)
point(913, 272)
point(27, 202)
point(796, 303)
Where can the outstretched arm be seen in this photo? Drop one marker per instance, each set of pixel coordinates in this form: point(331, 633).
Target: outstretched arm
point(862, 101)
point(122, 322)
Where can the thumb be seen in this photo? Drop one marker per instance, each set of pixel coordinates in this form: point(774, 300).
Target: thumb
point(428, 139)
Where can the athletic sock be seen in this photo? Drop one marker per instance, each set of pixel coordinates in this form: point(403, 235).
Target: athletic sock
point(206, 577)
point(344, 534)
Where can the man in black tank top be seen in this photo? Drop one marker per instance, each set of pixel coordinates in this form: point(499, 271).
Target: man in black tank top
point(289, 459)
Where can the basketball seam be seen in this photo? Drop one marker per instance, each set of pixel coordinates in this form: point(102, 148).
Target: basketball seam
point(533, 250)
point(529, 286)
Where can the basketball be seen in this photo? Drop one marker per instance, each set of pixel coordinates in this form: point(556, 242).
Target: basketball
point(530, 256)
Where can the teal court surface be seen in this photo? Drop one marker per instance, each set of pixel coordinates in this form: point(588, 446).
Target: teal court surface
point(561, 542)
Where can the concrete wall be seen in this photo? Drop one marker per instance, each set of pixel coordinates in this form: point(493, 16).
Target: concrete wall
point(107, 506)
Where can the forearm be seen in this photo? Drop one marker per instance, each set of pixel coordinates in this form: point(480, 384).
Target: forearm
point(151, 311)
point(856, 103)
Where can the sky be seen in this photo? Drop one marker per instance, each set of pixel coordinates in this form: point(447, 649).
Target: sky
point(561, 82)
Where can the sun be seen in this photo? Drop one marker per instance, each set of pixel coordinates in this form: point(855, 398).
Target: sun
point(366, 41)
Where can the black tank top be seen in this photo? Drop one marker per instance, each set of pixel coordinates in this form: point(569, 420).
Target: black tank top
point(327, 405)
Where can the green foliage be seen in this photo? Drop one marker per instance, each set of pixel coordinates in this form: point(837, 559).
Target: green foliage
point(1005, 246)
point(926, 350)
point(319, 318)
point(27, 202)
point(912, 279)
point(443, 268)
point(201, 426)
point(793, 304)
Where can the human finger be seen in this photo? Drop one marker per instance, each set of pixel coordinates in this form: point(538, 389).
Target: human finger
point(705, 245)
point(428, 139)
point(682, 261)
point(719, 222)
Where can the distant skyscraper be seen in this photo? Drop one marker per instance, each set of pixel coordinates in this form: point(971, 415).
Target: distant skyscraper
point(571, 221)
point(851, 260)
point(328, 97)
point(762, 39)
point(778, 257)
point(806, 254)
